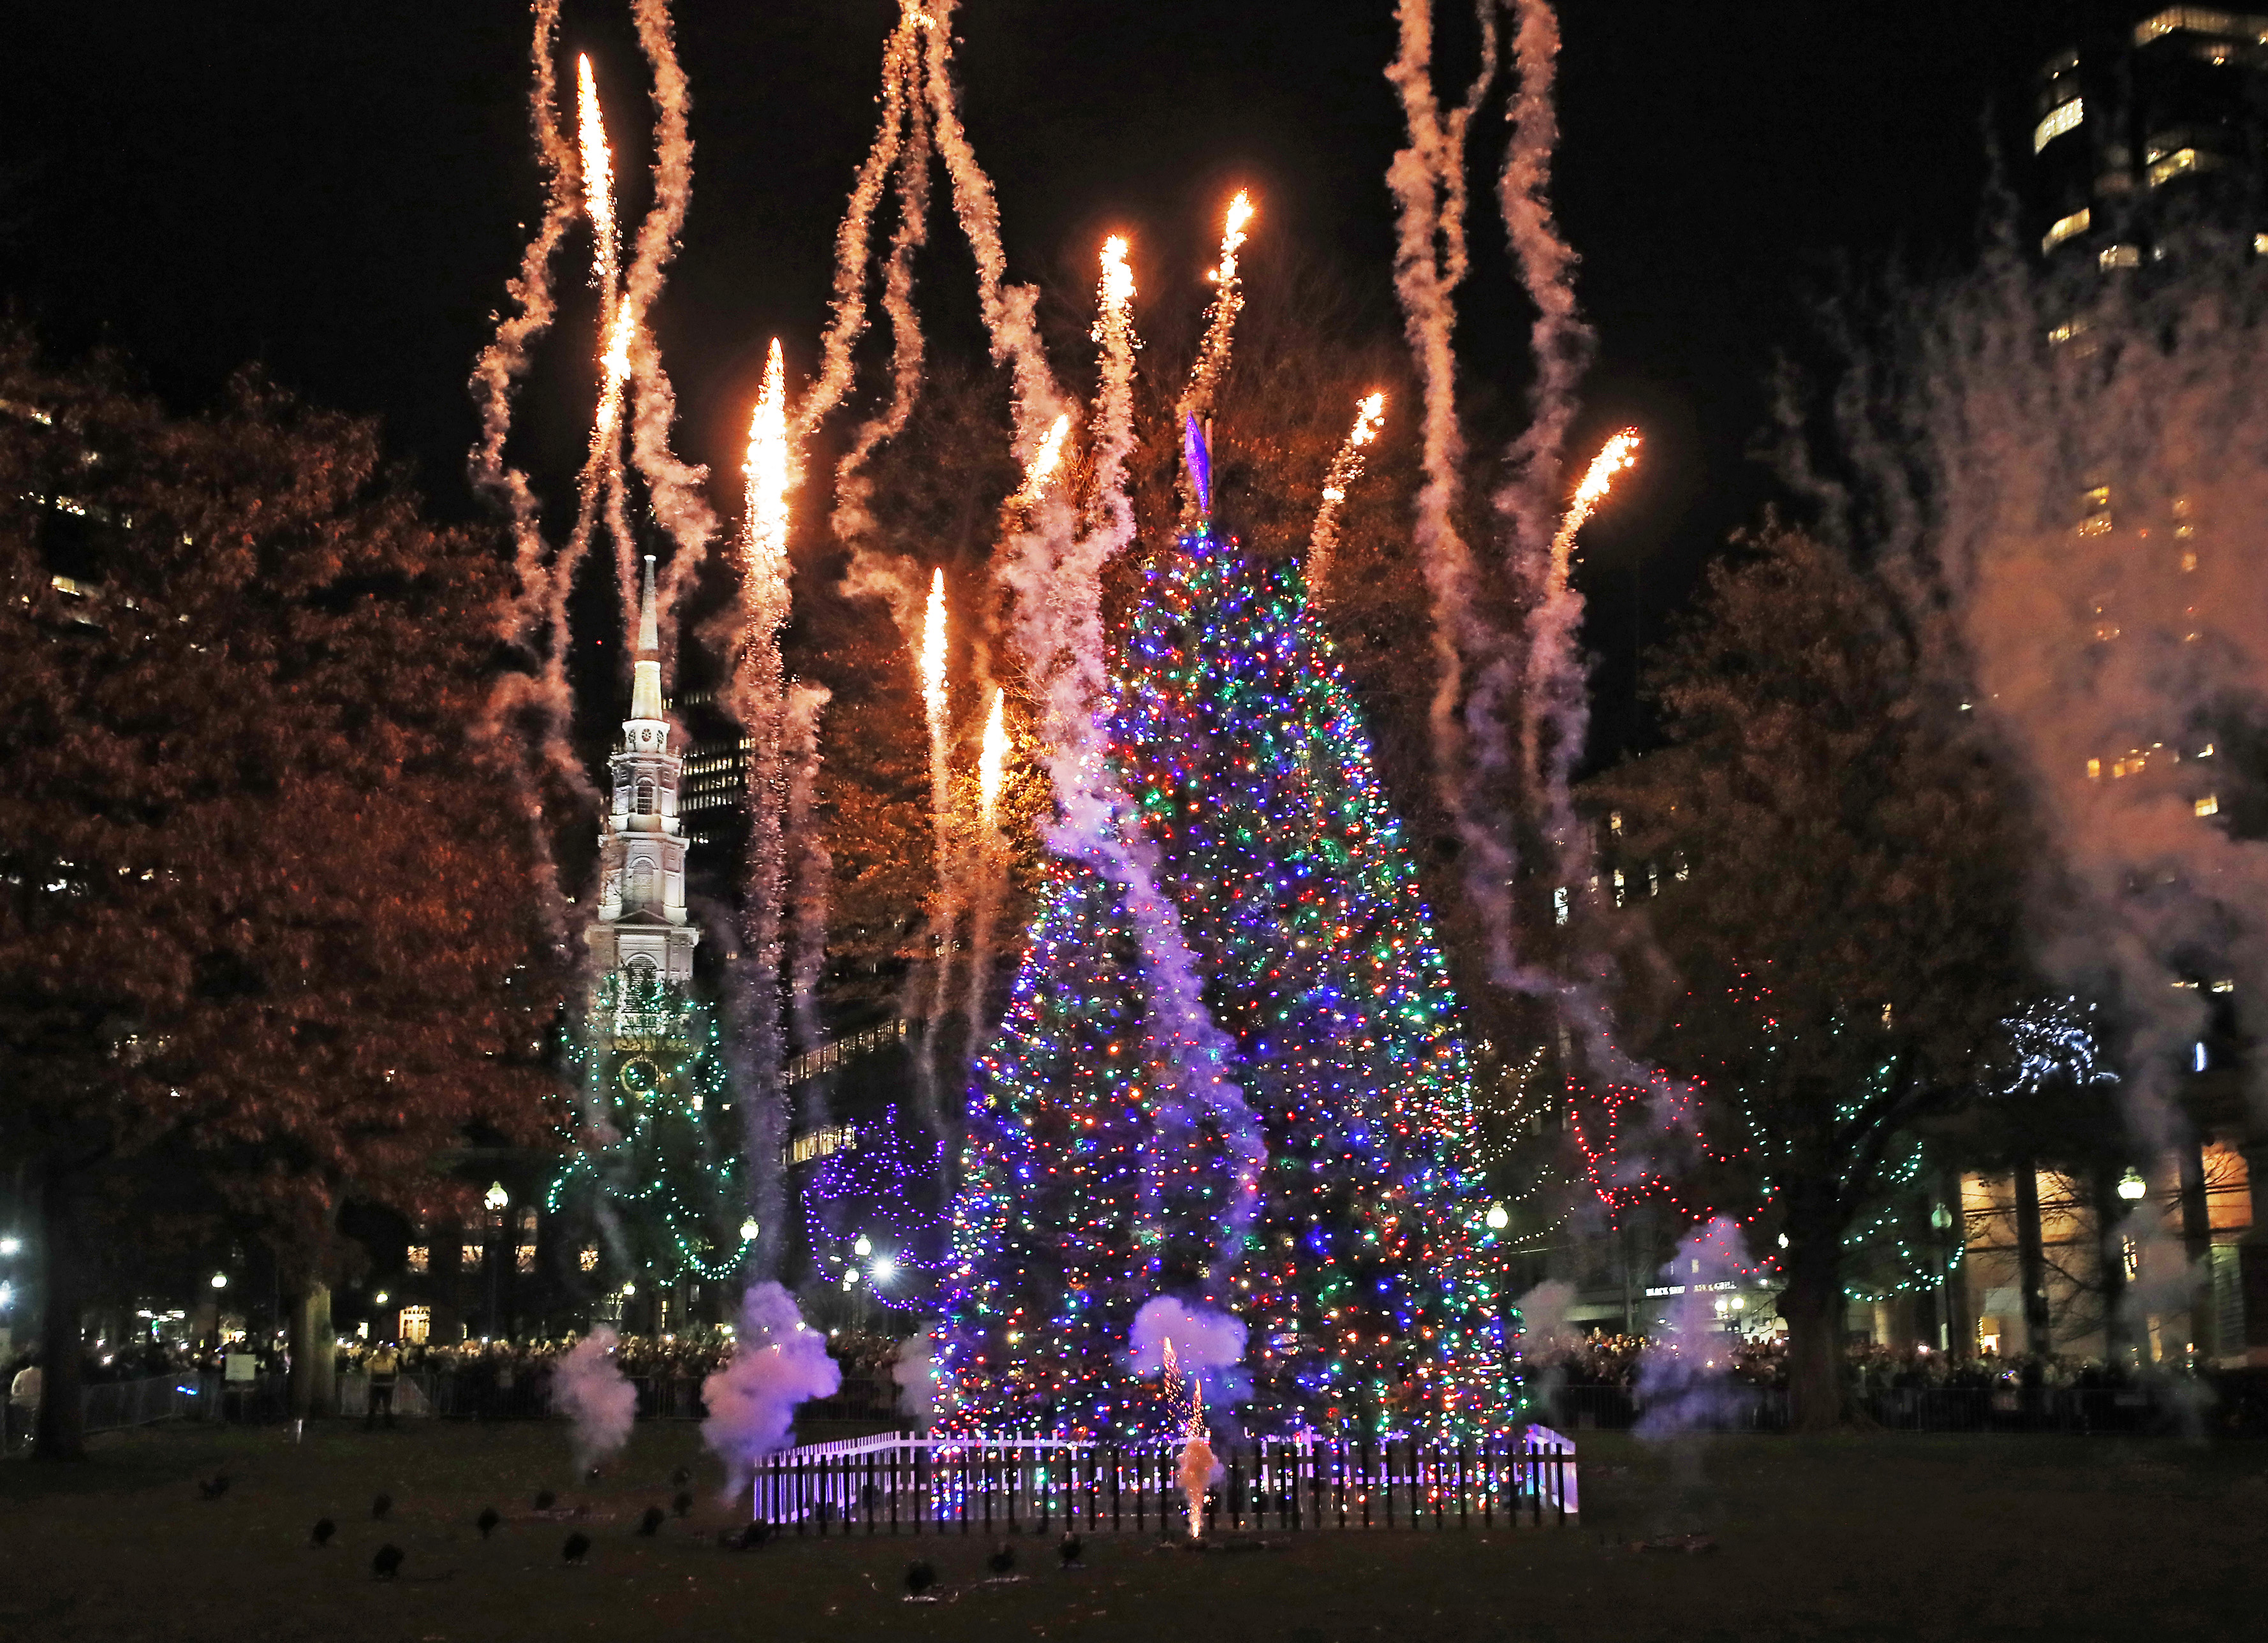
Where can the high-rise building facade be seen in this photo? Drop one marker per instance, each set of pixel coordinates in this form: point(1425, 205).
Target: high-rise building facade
point(2150, 123)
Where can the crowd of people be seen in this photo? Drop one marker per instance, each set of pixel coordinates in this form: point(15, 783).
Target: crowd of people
point(1613, 1361)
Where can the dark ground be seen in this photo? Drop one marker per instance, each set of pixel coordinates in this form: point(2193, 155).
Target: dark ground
point(1873, 1538)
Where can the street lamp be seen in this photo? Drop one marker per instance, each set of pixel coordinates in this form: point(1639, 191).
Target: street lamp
point(864, 1248)
point(1498, 1218)
point(220, 1280)
point(748, 1230)
point(2132, 1188)
point(497, 1200)
point(1941, 1220)
point(12, 1245)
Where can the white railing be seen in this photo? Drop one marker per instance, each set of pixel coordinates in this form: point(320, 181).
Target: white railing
point(894, 1483)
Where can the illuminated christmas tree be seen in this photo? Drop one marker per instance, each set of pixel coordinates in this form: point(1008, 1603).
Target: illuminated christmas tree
point(653, 1173)
point(1366, 1279)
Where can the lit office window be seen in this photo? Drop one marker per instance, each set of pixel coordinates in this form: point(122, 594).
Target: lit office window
point(2181, 161)
point(2065, 227)
point(2119, 257)
point(1559, 905)
point(2201, 20)
point(2208, 806)
point(421, 1258)
point(2062, 118)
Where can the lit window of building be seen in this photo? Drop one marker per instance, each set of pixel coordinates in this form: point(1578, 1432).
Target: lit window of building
point(469, 1254)
point(2094, 769)
point(2065, 227)
point(2199, 20)
point(588, 1258)
point(417, 1325)
point(1559, 905)
point(2062, 118)
point(2179, 163)
point(523, 1257)
point(2120, 257)
point(2208, 806)
point(421, 1258)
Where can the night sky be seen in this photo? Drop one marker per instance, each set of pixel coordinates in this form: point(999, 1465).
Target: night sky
point(337, 192)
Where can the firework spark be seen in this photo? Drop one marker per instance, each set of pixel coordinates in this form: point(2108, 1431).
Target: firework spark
point(1345, 468)
point(1617, 453)
point(992, 763)
point(767, 469)
point(598, 186)
point(1220, 323)
point(1041, 472)
point(932, 657)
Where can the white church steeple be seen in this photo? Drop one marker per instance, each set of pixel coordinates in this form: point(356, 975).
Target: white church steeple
point(641, 921)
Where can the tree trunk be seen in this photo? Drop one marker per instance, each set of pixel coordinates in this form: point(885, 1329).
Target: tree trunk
point(314, 1356)
point(2119, 1336)
point(62, 1428)
point(2031, 1261)
point(1811, 1304)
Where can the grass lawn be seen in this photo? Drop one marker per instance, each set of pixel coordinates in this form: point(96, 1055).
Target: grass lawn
point(1879, 1536)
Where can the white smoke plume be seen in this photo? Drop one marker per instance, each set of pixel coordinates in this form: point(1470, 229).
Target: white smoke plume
point(1203, 1339)
point(1555, 704)
point(1682, 1379)
point(1543, 1319)
point(1054, 572)
point(1431, 259)
point(914, 1372)
point(674, 489)
point(590, 1388)
point(2066, 476)
point(778, 1362)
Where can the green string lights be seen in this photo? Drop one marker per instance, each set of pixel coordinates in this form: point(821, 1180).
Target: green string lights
point(648, 1161)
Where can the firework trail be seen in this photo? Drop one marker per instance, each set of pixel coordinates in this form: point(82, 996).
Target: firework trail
point(1220, 324)
point(674, 489)
point(813, 866)
point(990, 851)
point(758, 704)
point(1551, 662)
point(1346, 468)
point(522, 618)
point(1555, 701)
point(1431, 259)
point(852, 523)
point(1057, 624)
point(949, 889)
point(600, 492)
point(504, 360)
point(901, 90)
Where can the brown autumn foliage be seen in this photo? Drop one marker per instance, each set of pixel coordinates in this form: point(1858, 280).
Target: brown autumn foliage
point(268, 930)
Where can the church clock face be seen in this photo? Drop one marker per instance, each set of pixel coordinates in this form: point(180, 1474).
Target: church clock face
point(640, 1076)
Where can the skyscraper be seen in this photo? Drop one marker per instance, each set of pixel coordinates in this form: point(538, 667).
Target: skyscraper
point(2150, 124)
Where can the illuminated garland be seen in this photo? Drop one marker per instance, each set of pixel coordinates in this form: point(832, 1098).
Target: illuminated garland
point(647, 1164)
point(1367, 1283)
point(884, 1191)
